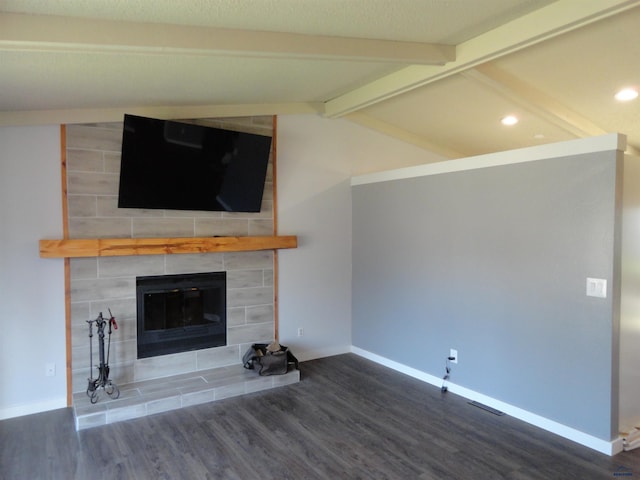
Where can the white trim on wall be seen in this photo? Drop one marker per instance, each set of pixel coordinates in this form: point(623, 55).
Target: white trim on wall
point(607, 447)
point(612, 141)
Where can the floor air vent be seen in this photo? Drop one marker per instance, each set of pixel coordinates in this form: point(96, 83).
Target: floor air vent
point(486, 407)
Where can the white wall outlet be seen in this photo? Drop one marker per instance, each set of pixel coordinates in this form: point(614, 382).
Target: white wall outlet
point(300, 332)
point(597, 287)
point(453, 353)
point(50, 369)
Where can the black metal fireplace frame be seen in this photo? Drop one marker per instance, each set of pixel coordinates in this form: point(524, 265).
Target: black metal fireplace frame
point(152, 343)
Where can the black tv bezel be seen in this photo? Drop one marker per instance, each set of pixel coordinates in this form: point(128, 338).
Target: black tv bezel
point(179, 174)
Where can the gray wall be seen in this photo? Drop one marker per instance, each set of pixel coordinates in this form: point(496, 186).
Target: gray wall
point(493, 262)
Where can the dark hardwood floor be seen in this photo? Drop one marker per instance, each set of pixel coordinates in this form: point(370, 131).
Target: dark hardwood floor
point(348, 418)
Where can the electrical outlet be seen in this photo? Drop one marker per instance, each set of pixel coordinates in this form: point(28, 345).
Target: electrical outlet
point(453, 353)
point(50, 369)
point(300, 332)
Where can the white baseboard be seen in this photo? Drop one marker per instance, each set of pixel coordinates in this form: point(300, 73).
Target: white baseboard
point(607, 447)
point(37, 407)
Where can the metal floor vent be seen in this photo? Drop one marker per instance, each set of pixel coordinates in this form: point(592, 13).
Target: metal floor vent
point(486, 407)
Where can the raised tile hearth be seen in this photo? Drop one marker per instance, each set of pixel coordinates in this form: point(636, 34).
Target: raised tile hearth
point(169, 393)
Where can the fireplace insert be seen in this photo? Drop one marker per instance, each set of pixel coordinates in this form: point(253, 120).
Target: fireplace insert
point(179, 313)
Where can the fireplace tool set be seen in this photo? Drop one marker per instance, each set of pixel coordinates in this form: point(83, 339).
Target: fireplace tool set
point(103, 381)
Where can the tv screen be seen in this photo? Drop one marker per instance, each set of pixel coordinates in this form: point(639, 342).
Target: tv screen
point(179, 166)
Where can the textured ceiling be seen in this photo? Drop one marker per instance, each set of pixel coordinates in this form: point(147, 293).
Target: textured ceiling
point(436, 73)
point(434, 21)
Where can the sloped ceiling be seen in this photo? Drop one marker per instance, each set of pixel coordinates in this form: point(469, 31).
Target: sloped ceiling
point(439, 74)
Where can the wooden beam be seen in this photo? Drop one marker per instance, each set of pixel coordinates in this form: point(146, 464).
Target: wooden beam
point(115, 247)
point(170, 112)
point(547, 22)
point(71, 35)
point(67, 266)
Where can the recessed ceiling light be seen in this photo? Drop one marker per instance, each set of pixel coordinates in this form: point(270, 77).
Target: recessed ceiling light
point(509, 120)
point(626, 94)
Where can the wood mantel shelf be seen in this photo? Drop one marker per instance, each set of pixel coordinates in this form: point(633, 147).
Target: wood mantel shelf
point(114, 247)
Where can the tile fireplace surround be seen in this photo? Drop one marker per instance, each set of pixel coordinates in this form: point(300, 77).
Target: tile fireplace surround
point(102, 283)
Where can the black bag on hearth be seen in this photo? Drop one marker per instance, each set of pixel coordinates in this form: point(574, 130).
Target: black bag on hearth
point(269, 359)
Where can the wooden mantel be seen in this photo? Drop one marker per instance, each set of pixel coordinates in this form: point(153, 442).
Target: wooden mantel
point(113, 247)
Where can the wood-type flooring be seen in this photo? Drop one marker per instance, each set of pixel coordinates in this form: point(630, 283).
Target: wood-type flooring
point(348, 418)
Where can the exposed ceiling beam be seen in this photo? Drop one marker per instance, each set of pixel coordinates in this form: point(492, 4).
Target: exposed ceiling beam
point(536, 102)
point(533, 100)
point(90, 115)
point(547, 22)
point(70, 34)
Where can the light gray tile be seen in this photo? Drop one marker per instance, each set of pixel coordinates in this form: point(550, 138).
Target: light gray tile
point(84, 160)
point(258, 384)
point(194, 263)
point(268, 191)
point(99, 227)
point(268, 277)
point(80, 354)
point(244, 278)
point(79, 326)
point(195, 214)
point(217, 357)
point(291, 377)
point(260, 314)
point(229, 375)
point(130, 266)
point(92, 183)
point(246, 215)
point(123, 352)
point(121, 373)
point(91, 420)
point(82, 405)
point(163, 227)
point(209, 227)
point(82, 205)
point(197, 397)
point(93, 138)
point(248, 260)
point(84, 268)
point(237, 297)
point(112, 162)
point(80, 376)
point(229, 391)
point(165, 365)
point(254, 333)
point(82, 290)
point(266, 209)
point(236, 316)
point(126, 413)
point(107, 206)
point(123, 309)
point(164, 404)
point(163, 387)
point(261, 228)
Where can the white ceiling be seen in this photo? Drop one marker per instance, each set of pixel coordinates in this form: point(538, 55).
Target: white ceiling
point(437, 73)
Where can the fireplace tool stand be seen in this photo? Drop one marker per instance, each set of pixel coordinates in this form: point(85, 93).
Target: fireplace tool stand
point(103, 381)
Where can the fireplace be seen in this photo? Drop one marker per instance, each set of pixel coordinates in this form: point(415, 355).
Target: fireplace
point(179, 313)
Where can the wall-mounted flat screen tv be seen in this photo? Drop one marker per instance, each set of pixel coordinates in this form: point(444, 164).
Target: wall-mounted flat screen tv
point(179, 166)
